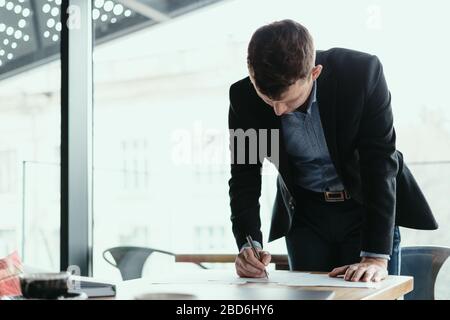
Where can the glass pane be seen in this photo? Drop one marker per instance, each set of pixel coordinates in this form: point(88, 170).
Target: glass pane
point(434, 179)
point(174, 7)
point(112, 19)
point(161, 104)
point(136, 202)
point(30, 131)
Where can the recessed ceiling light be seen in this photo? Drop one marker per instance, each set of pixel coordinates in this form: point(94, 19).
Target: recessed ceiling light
point(10, 56)
point(127, 13)
point(46, 34)
point(118, 9)
point(95, 14)
point(18, 34)
point(51, 23)
point(26, 12)
point(109, 5)
point(9, 31)
point(55, 11)
point(26, 38)
point(55, 37)
point(22, 23)
point(46, 8)
point(18, 9)
point(99, 3)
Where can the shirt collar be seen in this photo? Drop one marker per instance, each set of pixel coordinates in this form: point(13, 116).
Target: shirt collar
point(312, 98)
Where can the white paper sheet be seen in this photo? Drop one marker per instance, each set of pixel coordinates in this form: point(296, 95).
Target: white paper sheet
point(275, 277)
point(310, 280)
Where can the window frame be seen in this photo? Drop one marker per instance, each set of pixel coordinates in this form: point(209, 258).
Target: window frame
point(76, 136)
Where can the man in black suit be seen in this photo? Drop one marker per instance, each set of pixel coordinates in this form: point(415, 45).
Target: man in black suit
point(343, 188)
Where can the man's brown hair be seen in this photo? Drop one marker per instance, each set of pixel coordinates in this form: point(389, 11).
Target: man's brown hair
point(279, 54)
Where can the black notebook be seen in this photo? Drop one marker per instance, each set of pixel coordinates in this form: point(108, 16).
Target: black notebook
point(96, 289)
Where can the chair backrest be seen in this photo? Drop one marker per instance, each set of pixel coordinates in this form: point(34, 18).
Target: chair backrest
point(130, 260)
point(423, 263)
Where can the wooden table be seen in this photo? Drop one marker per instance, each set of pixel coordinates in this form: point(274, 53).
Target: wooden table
point(280, 260)
point(394, 287)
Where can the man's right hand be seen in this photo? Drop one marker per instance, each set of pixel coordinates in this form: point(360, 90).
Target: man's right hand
point(248, 266)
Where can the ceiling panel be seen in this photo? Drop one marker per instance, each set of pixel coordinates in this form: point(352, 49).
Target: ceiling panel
point(30, 29)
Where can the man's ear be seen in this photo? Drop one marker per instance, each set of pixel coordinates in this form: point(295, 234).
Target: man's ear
point(316, 71)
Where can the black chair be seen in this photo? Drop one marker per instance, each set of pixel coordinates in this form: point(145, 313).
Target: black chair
point(130, 260)
point(423, 263)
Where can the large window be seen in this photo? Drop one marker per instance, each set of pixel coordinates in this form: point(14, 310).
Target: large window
point(161, 103)
point(162, 70)
point(30, 131)
point(160, 152)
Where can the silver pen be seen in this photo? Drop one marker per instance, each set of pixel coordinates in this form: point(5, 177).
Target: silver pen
point(256, 253)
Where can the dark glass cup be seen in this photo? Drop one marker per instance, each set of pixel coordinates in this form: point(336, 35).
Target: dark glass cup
point(44, 285)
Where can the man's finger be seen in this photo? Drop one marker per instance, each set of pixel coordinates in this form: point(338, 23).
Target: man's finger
point(250, 257)
point(244, 269)
point(357, 275)
point(265, 257)
point(244, 253)
point(241, 271)
point(379, 275)
point(249, 270)
point(368, 276)
point(350, 271)
point(338, 271)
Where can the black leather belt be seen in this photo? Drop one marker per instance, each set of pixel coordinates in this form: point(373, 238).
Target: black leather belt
point(326, 196)
point(336, 196)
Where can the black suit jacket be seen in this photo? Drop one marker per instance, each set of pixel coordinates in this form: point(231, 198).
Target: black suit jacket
point(356, 115)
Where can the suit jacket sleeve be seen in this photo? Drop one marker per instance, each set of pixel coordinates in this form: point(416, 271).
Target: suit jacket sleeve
point(245, 183)
point(379, 165)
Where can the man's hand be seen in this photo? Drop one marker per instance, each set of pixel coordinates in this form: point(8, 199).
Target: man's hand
point(369, 269)
point(248, 266)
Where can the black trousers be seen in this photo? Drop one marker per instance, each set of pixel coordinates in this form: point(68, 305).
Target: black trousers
point(326, 235)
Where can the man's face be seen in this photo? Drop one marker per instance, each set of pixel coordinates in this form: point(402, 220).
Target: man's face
point(295, 96)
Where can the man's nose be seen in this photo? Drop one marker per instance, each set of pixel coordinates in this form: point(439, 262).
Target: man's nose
point(279, 108)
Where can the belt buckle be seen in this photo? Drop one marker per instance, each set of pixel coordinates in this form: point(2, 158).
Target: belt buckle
point(334, 196)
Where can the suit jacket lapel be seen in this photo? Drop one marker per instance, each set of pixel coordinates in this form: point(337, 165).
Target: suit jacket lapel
point(326, 97)
point(272, 121)
point(285, 166)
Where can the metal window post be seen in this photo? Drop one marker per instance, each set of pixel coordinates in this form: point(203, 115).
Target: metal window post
point(76, 135)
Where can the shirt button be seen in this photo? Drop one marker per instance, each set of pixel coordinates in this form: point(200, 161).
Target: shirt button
point(291, 204)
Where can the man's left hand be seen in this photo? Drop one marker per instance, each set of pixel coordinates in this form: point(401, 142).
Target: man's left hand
point(369, 269)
